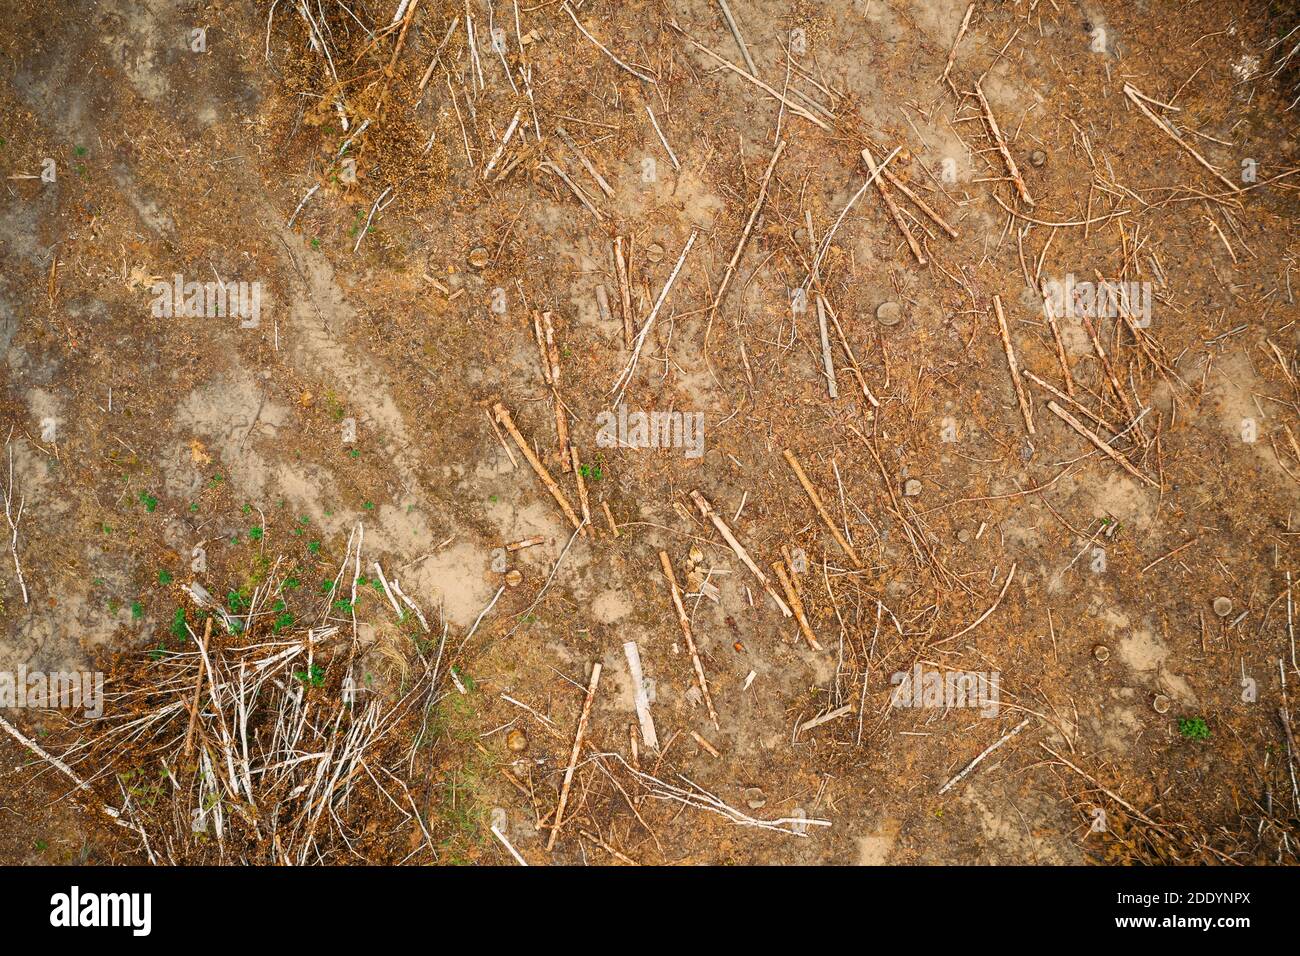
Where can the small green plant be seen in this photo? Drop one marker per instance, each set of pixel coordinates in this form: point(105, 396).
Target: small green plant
point(1193, 728)
point(164, 577)
point(314, 677)
point(178, 624)
point(149, 501)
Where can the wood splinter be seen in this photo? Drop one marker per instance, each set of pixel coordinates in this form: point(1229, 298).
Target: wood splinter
point(707, 511)
point(821, 508)
point(624, 293)
point(894, 212)
point(573, 757)
point(793, 597)
point(503, 417)
point(1100, 445)
point(996, 133)
point(685, 622)
point(1014, 368)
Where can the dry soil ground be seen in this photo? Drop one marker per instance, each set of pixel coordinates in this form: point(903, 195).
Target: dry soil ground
point(445, 212)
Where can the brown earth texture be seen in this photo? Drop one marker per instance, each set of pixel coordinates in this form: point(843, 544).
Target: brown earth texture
point(470, 431)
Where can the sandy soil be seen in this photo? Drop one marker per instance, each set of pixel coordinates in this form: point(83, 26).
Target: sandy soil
point(401, 302)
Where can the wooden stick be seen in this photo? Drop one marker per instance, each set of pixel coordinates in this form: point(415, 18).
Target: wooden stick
point(821, 508)
point(1100, 445)
point(1011, 576)
point(1110, 793)
point(504, 418)
point(505, 141)
point(1170, 554)
point(740, 41)
point(835, 714)
point(397, 51)
point(1111, 377)
point(793, 597)
point(830, 233)
point(988, 750)
point(853, 362)
point(586, 163)
point(893, 209)
point(952, 54)
point(1056, 335)
point(640, 697)
point(624, 292)
point(552, 358)
point(64, 769)
point(749, 225)
point(573, 757)
point(583, 501)
point(1137, 98)
point(602, 304)
point(573, 188)
point(610, 518)
point(707, 511)
point(501, 438)
point(1011, 364)
point(609, 849)
point(604, 49)
point(1049, 387)
point(706, 745)
point(1001, 144)
point(792, 107)
point(828, 364)
point(685, 623)
point(662, 138)
point(902, 187)
point(629, 370)
point(198, 689)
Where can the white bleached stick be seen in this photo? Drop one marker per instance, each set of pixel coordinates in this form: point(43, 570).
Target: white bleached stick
point(975, 763)
point(13, 523)
point(640, 696)
point(626, 377)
